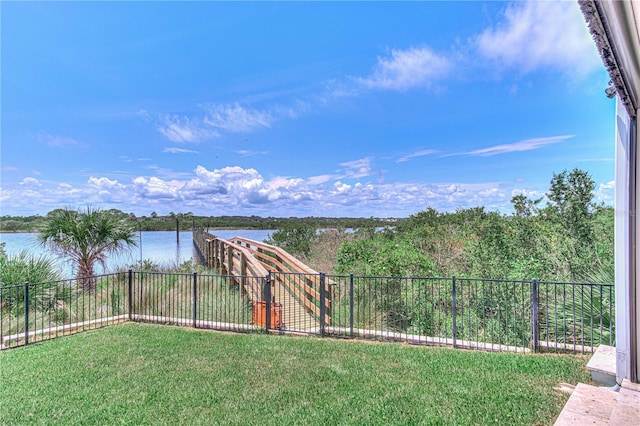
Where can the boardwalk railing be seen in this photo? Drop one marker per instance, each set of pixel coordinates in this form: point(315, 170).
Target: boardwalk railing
point(296, 288)
point(231, 259)
point(304, 284)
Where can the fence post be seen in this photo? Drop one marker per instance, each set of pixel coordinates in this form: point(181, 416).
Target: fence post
point(267, 293)
point(534, 316)
point(454, 310)
point(26, 313)
point(195, 298)
point(351, 304)
point(130, 291)
point(323, 307)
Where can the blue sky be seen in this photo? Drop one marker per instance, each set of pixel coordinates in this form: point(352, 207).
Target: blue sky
point(297, 108)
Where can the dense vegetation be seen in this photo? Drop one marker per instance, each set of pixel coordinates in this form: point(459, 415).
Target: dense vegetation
point(568, 239)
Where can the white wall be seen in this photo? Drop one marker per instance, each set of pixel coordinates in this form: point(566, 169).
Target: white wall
point(622, 246)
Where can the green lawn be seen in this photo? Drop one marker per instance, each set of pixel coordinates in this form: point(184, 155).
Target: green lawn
point(146, 374)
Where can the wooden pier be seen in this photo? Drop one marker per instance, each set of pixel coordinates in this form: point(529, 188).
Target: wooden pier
point(295, 289)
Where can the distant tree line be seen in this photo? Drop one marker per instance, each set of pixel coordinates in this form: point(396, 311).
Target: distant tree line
point(186, 221)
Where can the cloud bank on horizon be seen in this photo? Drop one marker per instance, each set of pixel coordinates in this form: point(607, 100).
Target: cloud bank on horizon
point(298, 109)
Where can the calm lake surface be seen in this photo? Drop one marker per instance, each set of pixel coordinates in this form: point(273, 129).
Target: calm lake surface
point(158, 246)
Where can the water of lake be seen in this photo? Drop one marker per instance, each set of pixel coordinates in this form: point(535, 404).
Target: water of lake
point(158, 246)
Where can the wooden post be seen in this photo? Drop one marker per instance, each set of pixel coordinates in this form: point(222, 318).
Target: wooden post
point(243, 273)
point(221, 256)
point(208, 256)
point(230, 258)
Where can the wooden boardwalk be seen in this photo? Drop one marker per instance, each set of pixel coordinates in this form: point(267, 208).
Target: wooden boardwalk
point(294, 287)
point(295, 316)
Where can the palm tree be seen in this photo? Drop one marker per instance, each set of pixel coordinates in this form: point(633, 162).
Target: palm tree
point(87, 237)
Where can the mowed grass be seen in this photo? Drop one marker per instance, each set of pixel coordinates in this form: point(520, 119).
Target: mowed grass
point(146, 374)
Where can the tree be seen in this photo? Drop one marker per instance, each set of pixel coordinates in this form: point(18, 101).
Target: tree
point(571, 196)
point(525, 207)
point(87, 237)
point(295, 239)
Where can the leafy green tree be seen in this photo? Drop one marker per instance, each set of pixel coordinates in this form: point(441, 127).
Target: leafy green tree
point(383, 254)
point(295, 239)
point(525, 207)
point(87, 237)
point(571, 199)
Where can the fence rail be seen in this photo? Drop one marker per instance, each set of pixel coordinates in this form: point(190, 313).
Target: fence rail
point(499, 315)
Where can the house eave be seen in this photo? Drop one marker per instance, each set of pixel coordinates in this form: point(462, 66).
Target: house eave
point(619, 49)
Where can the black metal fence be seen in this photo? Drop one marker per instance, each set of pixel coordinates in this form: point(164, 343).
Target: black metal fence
point(34, 312)
point(475, 313)
point(459, 312)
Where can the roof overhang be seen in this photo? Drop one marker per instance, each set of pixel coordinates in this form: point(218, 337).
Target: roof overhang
point(614, 26)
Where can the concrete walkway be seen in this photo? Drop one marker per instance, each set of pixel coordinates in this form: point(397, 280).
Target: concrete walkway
point(592, 405)
point(603, 404)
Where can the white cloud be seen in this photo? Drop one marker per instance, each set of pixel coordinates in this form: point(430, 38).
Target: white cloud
point(244, 191)
point(5, 194)
point(357, 168)
point(248, 153)
point(520, 146)
point(156, 188)
point(606, 192)
point(597, 160)
point(184, 129)
point(320, 179)
point(103, 190)
point(57, 141)
point(341, 188)
point(417, 154)
point(407, 69)
point(541, 34)
point(103, 182)
point(29, 181)
point(238, 119)
point(174, 150)
point(529, 193)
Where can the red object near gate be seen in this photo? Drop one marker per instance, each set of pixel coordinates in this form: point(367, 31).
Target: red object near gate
point(260, 314)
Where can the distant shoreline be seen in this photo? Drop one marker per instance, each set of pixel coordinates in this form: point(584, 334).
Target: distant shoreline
point(219, 228)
